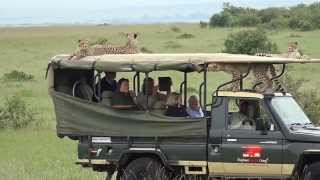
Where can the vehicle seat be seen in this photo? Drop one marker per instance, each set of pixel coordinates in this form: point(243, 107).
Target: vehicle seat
point(82, 90)
point(106, 98)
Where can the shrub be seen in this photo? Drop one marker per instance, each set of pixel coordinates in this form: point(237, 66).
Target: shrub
point(17, 76)
point(294, 35)
point(248, 20)
point(100, 41)
point(310, 102)
point(203, 24)
point(15, 114)
point(146, 50)
point(175, 29)
point(249, 42)
point(185, 36)
point(301, 17)
point(224, 19)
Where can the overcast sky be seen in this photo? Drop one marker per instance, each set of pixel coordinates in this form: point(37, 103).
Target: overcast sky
point(120, 11)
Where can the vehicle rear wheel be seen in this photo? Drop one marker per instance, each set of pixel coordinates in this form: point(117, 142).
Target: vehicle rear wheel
point(144, 169)
point(311, 172)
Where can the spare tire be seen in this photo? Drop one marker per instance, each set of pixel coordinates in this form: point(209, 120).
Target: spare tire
point(145, 168)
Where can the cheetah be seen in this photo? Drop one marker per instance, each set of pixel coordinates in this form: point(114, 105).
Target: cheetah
point(131, 47)
point(260, 72)
point(292, 52)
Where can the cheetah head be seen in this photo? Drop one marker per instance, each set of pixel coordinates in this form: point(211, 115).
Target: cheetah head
point(132, 38)
point(83, 43)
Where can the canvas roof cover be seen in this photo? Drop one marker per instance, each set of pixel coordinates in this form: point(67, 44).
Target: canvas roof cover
point(158, 62)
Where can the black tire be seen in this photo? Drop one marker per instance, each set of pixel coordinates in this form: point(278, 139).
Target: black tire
point(144, 169)
point(311, 172)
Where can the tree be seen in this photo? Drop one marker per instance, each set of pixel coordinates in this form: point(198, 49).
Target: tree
point(249, 42)
point(222, 20)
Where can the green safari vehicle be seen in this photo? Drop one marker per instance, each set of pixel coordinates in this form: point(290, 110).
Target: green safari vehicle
point(280, 142)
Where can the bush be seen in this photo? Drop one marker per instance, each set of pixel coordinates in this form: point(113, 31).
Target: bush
point(203, 24)
point(249, 42)
point(15, 114)
point(185, 36)
point(224, 19)
point(100, 41)
point(301, 17)
point(248, 20)
point(17, 76)
point(294, 35)
point(175, 29)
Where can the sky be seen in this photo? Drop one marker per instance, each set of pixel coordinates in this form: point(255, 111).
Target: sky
point(37, 12)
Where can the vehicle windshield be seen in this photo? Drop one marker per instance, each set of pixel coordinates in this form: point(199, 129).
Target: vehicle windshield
point(289, 111)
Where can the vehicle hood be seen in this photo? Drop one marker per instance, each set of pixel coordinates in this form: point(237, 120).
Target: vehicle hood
point(306, 134)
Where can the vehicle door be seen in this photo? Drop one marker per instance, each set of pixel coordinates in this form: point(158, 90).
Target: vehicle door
point(251, 144)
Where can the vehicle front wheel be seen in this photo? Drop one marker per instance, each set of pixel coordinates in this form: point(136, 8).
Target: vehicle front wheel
point(144, 169)
point(311, 172)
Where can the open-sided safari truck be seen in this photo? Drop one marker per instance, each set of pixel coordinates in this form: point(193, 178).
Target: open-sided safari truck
point(145, 144)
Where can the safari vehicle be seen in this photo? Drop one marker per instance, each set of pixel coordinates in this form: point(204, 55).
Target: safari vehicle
point(145, 144)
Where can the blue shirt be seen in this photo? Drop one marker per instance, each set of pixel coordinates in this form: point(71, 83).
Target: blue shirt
point(195, 114)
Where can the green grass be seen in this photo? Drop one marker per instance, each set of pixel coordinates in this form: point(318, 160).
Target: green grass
point(35, 152)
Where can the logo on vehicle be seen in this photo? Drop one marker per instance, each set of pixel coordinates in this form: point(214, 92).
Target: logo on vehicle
point(252, 154)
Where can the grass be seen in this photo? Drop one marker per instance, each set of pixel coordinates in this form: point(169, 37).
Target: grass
point(36, 152)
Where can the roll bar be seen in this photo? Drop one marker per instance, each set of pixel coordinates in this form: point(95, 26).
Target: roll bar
point(136, 82)
point(203, 87)
point(183, 88)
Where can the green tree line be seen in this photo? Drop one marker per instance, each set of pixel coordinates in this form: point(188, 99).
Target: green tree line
point(301, 17)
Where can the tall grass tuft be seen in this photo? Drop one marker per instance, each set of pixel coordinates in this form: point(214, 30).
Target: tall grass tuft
point(146, 50)
point(17, 76)
point(172, 45)
point(15, 114)
point(186, 36)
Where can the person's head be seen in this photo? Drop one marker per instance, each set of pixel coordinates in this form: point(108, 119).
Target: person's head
point(123, 85)
point(174, 99)
point(148, 86)
point(110, 75)
point(244, 106)
point(194, 102)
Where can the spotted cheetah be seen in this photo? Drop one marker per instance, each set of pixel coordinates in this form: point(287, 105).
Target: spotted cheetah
point(95, 50)
point(260, 72)
point(130, 48)
point(292, 52)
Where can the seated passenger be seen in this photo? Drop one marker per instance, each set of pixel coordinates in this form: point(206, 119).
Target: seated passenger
point(241, 119)
point(122, 98)
point(108, 82)
point(194, 110)
point(175, 107)
point(150, 93)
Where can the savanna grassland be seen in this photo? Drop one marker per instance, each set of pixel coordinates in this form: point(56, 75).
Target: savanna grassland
point(35, 152)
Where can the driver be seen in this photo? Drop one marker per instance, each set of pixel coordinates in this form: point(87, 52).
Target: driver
point(242, 119)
